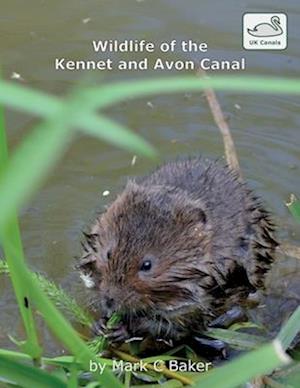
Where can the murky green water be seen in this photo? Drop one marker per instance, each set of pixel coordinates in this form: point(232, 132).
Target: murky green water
point(265, 128)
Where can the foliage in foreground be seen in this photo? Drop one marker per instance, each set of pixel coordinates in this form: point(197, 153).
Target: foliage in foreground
point(20, 177)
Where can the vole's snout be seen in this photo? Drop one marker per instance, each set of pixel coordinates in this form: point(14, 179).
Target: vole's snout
point(108, 306)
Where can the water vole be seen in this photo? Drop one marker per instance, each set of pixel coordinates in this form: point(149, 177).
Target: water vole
point(174, 246)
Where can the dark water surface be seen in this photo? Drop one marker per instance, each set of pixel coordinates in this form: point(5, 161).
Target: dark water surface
point(265, 128)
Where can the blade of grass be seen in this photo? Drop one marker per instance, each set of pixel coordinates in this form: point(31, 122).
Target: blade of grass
point(11, 236)
point(27, 376)
point(246, 367)
point(37, 155)
point(163, 369)
point(41, 104)
point(109, 130)
point(59, 297)
point(34, 158)
point(237, 339)
point(65, 332)
point(63, 301)
point(289, 331)
point(16, 356)
point(294, 207)
point(3, 267)
point(53, 318)
point(293, 378)
point(28, 100)
point(28, 166)
point(104, 96)
point(61, 327)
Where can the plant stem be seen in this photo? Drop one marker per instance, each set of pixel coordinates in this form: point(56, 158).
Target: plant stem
point(163, 369)
point(11, 237)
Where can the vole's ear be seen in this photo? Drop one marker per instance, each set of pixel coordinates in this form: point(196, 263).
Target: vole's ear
point(86, 263)
point(191, 213)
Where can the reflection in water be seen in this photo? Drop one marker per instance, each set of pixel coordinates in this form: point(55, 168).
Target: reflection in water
point(266, 129)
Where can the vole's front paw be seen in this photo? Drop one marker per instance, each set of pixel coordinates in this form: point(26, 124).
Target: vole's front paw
point(99, 327)
point(211, 347)
point(235, 315)
point(118, 334)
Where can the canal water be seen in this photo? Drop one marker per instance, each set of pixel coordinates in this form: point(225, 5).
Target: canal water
point(266, 129)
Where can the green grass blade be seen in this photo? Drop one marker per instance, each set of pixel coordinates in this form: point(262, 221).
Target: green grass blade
point(294, 207)
point(289, 331)
point(29, 165)
point(238, 339)
point(27, 376)
point(34, 158)
point(43, 105)
point(16, 356)
point(63, 301)
point(59, 326)
point(11, 236)
point(58, 296)
point(28, 100)
point(64, 331)
point(3, 267)
point(104, 96)
point(114, 133)
point(292, 379)
point(246, 367)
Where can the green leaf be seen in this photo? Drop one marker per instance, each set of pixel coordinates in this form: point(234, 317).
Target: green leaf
point(40, 104)
point(106, 129)
point(59, 297)
point(29, 165)
point(11, 237)
point(63, 301)
point(236, 339)
point(39, 152)
point(16, 356)
point(65, 332)
point(3, 267)
point(104, 96)
point(27, 376)
point(100, 343)
point(28, 100)
point(255, 363)
point(289, 331)
point(294, 207)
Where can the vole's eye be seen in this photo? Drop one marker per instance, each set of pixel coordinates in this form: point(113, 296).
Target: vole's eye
point(146, 265)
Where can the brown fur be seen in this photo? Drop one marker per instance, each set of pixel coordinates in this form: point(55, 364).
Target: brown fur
point(206, 235)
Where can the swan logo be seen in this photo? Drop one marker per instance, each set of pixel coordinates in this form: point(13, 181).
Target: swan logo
point(265, 31)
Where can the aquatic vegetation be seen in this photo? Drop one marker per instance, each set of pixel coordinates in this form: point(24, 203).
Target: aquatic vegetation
point(294, 207)
point(21, 175)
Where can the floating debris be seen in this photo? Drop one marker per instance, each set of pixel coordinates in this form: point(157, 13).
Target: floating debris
point(133, 161)
point(105, 193)
point(150, 105)
point(17, 76)
point(237, 106)
point(86, 20)
point(188, 96)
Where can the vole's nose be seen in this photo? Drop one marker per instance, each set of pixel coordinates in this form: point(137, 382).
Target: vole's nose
point(109, 302)
point(108, 306)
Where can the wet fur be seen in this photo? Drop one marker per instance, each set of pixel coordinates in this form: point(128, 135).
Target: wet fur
point(207, 234)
